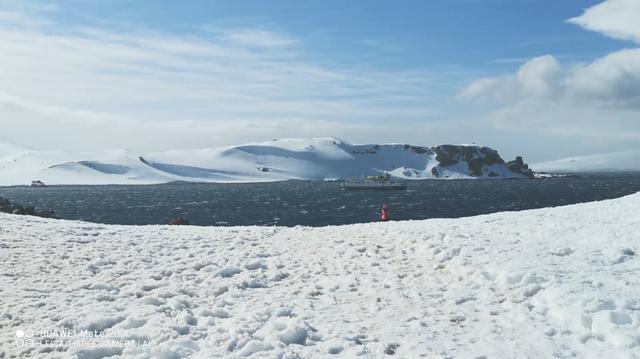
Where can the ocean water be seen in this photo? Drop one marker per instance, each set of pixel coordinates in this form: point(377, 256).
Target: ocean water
point(314, 203)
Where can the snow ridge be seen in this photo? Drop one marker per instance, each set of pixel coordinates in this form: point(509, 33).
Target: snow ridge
point(277, 160)
point(616, 161)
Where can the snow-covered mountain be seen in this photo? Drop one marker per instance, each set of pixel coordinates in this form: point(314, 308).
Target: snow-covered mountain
point(277, 160)
point(616, 161)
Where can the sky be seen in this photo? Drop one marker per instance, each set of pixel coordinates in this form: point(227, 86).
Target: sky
point(543, 79)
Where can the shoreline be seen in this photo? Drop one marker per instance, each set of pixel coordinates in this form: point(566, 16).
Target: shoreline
point(542, 175)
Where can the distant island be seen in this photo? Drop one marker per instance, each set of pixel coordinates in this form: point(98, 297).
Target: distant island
point(323, 159)
point(607, 162)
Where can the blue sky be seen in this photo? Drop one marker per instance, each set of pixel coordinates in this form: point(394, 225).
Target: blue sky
point(476, 35)
point(426, 33)
point(512, 74)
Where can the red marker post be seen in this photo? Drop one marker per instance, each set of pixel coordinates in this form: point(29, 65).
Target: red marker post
point(384, 213)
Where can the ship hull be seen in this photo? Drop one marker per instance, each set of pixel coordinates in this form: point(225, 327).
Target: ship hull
point(374, 186)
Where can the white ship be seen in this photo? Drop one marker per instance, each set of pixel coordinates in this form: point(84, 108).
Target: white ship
point(38, 184)
point(380, 183)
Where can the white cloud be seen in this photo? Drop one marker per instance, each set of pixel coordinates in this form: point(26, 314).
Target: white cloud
point(619, 19)
point(99, 87)
point(593, 103)
point(113, 87)
point(52, 127)
point(613, 80)
point(539, 77)
point(259, 38)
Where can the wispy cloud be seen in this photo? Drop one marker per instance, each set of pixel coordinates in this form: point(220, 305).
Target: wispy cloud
point(258, 38)
point(511, 60)
point(66, 80)
point(123, 85)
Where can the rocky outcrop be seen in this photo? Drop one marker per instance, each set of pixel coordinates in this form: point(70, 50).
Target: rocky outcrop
point(419, 149)
point(7, 206)
point(434, 172)
point(475, 166)
point(447, 155)
point(518, 166)
point(476, 158)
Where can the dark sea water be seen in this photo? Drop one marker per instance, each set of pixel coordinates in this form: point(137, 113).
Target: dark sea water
point(314, 203)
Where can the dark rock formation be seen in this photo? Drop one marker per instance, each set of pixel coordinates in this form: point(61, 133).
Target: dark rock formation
point(7, 206)
point(434, 172)
point(141, 159)
point(491, 156)
point(518, 166)
point(447, 155)
point(476, 157)
point(418, 149)
point(475, 165)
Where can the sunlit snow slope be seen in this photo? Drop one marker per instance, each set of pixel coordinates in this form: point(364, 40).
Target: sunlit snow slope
point(617, 161)
point(309, 159)
point(547, 283)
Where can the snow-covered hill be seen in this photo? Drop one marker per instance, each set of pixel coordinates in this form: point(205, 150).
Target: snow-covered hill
point(547, 283)
point(309, 159)
point(617, 161)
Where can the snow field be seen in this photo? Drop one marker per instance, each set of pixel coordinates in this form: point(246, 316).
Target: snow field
point(616, 161)
point(556, 282)
point(277, 160)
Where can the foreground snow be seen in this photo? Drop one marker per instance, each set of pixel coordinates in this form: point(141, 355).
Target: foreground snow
point(277, 160)
point(559, 282)
point(616, 161)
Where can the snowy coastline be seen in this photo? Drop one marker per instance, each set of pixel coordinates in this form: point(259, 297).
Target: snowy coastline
point(277, 160)
point(553, 282)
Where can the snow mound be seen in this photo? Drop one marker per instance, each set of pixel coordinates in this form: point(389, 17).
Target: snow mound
point(555, 282)
point(617, 161)
point(10, 151)
point(277, 160)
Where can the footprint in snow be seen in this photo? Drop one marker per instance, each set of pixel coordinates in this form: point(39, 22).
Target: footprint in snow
point(256, 265)
point(229, 272)
point(563, 252)
point(627, 254)
point(390, 349)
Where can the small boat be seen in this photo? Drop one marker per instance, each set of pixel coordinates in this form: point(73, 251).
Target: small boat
point(38, 184)
point(375, 183)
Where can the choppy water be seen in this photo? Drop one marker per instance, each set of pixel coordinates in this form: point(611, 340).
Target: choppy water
point(314, 203)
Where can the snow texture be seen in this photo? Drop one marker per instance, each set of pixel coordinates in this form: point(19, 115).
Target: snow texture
point(277, 160)
point(555, 282)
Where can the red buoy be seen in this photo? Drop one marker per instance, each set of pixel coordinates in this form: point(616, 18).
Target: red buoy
point(384, 213)
point(179, 222)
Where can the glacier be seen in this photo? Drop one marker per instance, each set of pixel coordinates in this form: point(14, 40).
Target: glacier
point(277, 160)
